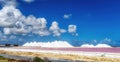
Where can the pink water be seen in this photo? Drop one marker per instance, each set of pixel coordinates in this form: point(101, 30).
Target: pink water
point(109, 50)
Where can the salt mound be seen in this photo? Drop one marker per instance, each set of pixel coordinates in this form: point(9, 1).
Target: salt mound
point(87, 45)
point(103, 45)
point(98, 45)
point(49, 44)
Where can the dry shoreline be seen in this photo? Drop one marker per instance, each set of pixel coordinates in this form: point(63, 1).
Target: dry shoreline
point(87, 58)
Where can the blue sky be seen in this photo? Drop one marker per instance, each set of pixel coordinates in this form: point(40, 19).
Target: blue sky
point(94, 19)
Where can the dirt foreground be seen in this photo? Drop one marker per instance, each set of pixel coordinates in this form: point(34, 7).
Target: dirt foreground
point(62, 56)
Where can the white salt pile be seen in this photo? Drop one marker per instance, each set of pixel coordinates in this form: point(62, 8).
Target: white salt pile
point(98, 45)
point(102, 45)
point(49, 44)
point(87, 45)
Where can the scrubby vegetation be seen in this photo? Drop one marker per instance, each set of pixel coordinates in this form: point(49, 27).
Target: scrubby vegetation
point(37, 59)
point(3, 59)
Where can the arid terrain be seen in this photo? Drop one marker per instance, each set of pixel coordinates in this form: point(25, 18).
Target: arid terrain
point(59, 54)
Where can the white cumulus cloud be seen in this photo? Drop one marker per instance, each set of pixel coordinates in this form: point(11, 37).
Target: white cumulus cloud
point(8, 2)
point(55, 29)
point(8, 16)
point(72, 28)
point(66, 16)
point(12, 37)
point(28, 1)
point(6, 31)
point(107, 39)
point(14, 22)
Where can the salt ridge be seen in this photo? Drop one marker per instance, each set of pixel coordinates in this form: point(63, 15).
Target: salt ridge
point(49, 44)
point(98, 45)
point(61, 44)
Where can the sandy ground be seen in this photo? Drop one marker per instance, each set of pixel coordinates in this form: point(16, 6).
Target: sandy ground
point(71, 55)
